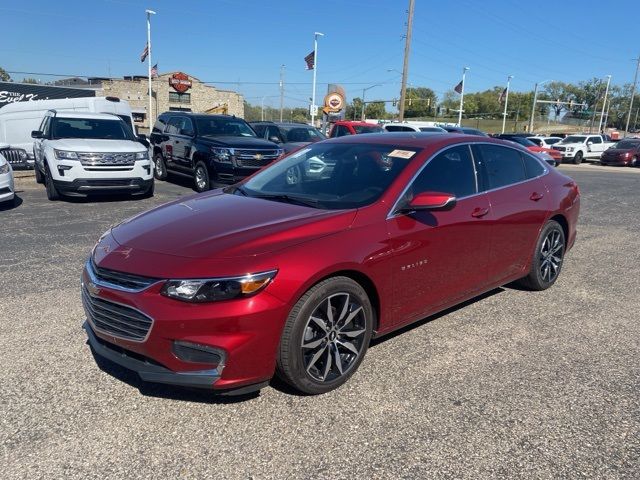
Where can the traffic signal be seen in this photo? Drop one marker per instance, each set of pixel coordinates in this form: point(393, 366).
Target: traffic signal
point(395, 102)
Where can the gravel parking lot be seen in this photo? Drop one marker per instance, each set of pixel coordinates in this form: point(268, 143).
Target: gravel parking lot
point(513, 384)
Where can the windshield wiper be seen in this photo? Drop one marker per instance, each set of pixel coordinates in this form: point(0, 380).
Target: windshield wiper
point(281, 197)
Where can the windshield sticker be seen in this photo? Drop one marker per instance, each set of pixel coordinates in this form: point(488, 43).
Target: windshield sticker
point(407, 154)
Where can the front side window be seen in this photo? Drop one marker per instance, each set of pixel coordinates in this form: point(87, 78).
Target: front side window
point(221, 126)
point(503, 165)
point(595, 139)
point(91, 128)
point(450, 171)
point(331, 176)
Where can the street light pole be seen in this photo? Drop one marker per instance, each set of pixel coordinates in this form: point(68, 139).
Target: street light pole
point(405, 65)
point(315, 69)
point(464, 73)
point(151, 117)
point(633, 93)
point(604, 103)
point(281, 90)
point(363, 104)
point(506, 102)
point(262, 109)
point(533, 107)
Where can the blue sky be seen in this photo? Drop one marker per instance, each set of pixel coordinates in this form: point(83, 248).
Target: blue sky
point(240, 44)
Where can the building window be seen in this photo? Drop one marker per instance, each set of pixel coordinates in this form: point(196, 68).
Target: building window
point(176, 97)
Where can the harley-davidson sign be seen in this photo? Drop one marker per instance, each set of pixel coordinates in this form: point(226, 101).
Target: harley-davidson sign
point(334, 102)
point(180, 82)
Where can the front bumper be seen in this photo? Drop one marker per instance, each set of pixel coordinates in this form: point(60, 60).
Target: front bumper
point(7, 189)
point(623, 162)
point(87, 186)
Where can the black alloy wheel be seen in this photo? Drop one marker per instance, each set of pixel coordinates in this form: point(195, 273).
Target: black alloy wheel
point(547, 258)
point(577, 159)
point(326, 336)
point(201, 177)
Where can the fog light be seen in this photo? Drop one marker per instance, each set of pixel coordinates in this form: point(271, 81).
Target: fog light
point(195, 353)
point(63, 168)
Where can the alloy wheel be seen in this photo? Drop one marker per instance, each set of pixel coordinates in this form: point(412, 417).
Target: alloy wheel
point(333, 337)
point(159, 164)
point(551, 254)
point(201, 178)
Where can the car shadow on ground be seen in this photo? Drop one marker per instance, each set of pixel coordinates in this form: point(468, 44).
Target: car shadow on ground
point(11, 204)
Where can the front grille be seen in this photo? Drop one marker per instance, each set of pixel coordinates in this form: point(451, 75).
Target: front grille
point(15, 156)
point(106, 159)
point(115, 319)
point(255, 158)
point(119, 279)
point(560, 149)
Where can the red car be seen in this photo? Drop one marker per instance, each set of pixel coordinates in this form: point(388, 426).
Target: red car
point(295, 269)
point(344, 127)
point(624, 153)
point(532, 147)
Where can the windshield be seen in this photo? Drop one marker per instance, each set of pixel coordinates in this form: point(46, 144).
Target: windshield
point(367, 129)
point(302, 134)
point(574, 139)
point(96, 129)
point(626, 145)
point(331, 176)
point(537, 141)
point(552, 141)
point(219, 126)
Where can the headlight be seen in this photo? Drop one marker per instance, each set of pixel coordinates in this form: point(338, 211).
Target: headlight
point(216, 289)
point(280, 152)
point(142, 155)
point(4, 168)
point(64, 155)
point(222, 154)
point(569, 149)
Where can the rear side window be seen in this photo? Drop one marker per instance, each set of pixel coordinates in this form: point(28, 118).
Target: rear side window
point(174, 125)
point(259, 129)
point(533, 168)
point(451, 171)
point(503, 165)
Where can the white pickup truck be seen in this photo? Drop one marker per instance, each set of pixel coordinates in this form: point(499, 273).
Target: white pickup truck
point(576, 148)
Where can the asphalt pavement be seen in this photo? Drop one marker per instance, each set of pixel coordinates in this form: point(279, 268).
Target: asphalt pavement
point(511, 385)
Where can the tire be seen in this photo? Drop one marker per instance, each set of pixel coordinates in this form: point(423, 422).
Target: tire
point(150, 190)
point(577, 159)
point(319, 351)
point(52, 191)
point(548, 256)
point(39, 175)
point(634, 162)
point(201, 177)
point(159, 167)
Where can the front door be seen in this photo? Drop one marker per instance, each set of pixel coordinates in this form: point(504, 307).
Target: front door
point(440, 256)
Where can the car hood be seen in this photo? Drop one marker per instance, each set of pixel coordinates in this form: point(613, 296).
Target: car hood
point(238, 142)
point(89, 145)
point(217, 225)
point(574, 144)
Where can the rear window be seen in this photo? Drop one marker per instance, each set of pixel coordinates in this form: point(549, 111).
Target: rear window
point(217, 126)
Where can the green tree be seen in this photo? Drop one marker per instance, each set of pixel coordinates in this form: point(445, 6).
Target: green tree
point(29, 80)
point(419, 102)
point(4, 76)
point(376, 110)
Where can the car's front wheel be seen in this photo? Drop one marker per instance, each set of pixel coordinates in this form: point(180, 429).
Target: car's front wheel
point(160, 167)
point(52, 191)
point(201, 177)
point(326, 336)
point(577, 159)
point(547, 258)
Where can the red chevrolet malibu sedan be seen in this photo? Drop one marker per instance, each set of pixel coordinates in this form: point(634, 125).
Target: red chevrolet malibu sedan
point(294, 270)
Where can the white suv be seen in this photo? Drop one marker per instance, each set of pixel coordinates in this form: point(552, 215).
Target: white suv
point(78, 154)
point(7, 190)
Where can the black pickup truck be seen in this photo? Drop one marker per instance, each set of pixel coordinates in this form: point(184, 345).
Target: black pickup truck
point(209, 148)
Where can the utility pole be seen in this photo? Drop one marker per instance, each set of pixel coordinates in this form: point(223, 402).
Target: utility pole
point(405, 65)
point(151, 118)
point(506, 102)
point(282, 90)
point(633, 93)
point(364, 90)
point(604, 103)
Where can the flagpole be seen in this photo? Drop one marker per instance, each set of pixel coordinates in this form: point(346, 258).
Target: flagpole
point(315, 69)
point(506, 102)
point(151, 119)
point(464, 72)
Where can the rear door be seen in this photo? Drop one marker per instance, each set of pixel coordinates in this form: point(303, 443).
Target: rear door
point(440, 256)
point(519, 206)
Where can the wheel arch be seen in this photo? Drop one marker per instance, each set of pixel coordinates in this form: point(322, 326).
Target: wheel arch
point(561, 219)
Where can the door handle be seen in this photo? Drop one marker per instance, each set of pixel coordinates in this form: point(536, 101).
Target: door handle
point(535, 196)
point(479, 212)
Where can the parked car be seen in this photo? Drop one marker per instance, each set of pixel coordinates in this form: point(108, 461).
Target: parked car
point(545, 142)
point(208, 148)
point(18, 120)
point(290, 136)
point(576, 148)
point(80, 153)
point(529, 145)
point(224, 289)
point(465, 131)
point(626, 152)
point(7, 189)
point(413, 127)
point(344, 127)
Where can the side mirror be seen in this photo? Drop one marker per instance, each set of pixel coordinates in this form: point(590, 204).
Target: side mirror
point(589, 144)
point(435, 201)
point(37, 134)
point(275, 139)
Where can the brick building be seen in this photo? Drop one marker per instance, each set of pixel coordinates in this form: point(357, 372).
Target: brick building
point(171, 91)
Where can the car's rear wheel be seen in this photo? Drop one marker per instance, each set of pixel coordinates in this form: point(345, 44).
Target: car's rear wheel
point(201, 177)
point(547, 258)
point(160, 167)
point(52, 191)
point(577, 159)
point(326, 336)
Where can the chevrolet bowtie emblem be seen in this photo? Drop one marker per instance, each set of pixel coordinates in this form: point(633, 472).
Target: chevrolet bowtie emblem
point(258, 156)
point(93, 289)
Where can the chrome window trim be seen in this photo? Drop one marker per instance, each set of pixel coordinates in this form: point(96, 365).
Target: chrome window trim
point(394, 213)
point(100, 283)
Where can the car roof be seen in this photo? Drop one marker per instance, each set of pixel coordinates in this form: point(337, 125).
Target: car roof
point(86, 115)
point(353, 122)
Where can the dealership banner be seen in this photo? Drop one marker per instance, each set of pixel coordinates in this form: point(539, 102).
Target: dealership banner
point(24, 92)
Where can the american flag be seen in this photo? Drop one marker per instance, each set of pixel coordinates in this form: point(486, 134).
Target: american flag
point(145, 53)
point(503, 95)
point(311, 60)
point(154, 71)
point(458, 88)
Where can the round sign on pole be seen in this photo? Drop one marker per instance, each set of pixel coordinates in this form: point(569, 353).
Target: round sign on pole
point(180, 82)
point(334, 102)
